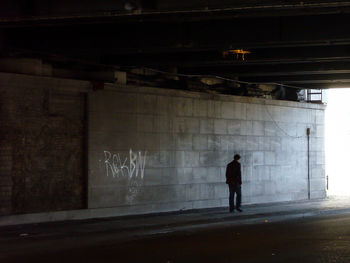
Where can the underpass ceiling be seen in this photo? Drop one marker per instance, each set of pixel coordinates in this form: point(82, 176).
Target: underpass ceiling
point(304, 44)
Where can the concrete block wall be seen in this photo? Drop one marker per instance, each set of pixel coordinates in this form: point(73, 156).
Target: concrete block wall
point(155, 150)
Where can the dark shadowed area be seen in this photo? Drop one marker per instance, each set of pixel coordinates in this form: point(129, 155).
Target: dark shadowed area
point(319, 239)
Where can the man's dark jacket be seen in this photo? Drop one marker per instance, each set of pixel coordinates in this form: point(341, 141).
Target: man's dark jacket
point(233, 173)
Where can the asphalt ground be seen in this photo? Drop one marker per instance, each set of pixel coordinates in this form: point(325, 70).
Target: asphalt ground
point(316, 231)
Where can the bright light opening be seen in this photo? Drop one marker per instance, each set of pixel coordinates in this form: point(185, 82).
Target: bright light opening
point(337, 141)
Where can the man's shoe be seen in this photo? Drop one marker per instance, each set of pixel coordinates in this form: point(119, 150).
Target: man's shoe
point(239, 209)
point(231, 211)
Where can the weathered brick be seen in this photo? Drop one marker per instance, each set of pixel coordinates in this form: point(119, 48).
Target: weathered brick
point(41, 166)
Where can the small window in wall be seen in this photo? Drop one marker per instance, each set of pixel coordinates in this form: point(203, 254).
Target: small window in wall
point(314, 95)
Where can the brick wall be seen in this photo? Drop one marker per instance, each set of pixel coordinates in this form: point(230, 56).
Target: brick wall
point(42, 144)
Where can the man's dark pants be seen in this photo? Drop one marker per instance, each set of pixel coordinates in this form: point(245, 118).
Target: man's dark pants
point(235, 190)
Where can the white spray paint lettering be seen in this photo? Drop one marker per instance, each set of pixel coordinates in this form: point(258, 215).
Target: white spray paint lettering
point(135, 167)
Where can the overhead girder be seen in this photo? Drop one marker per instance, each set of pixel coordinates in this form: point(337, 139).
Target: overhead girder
point(293, 73)
point(275, 69)
point(339, 85)
point(302, 78)
point(33, 13)
point(128, 38)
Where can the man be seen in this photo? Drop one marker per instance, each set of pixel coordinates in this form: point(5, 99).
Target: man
point(234, 181)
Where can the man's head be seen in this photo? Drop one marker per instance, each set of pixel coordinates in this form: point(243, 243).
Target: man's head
point(237, 157)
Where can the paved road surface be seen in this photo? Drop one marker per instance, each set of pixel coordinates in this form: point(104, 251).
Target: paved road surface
point(312, 239)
